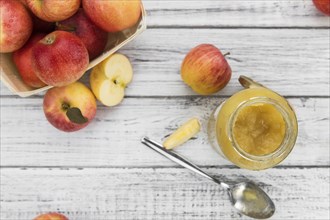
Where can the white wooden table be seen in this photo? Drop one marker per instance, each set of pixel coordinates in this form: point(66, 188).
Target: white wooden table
point(103, 172)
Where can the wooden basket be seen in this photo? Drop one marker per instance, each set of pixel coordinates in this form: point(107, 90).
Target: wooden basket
point(11, 78)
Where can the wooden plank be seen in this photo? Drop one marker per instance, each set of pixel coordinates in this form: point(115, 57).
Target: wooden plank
point(113, 138)
point(149, 193)
point(292, 62)
point(237, 13)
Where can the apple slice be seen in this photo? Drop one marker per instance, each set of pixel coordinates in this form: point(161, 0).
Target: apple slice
point(110, 78)
point(182, 134)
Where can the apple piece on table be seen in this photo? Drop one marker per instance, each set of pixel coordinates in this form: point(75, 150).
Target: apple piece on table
point(109, 79)
point(182, 134)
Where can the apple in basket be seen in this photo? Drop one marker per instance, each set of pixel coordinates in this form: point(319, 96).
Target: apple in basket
point(113, 15)
point(94, 38)
point(41, 25)
point(23, 60)
point(15, 25)
point(53, 10)
point(60, 58)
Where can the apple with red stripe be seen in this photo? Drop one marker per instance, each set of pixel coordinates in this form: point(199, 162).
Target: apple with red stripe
point(51, 216)
point(113, 15)
point(60, 58)
point(205, 69)
point(15, 25)
point(94, 38)
point(69, 108)
point(323, 6)
point(53, 10)
point(23, 60)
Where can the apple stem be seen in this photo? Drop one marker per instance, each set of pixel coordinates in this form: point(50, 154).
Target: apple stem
point(65, 27)
point(228, 53)
point(65, 106)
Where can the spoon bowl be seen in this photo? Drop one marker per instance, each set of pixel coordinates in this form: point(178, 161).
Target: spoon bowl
point(250, 200)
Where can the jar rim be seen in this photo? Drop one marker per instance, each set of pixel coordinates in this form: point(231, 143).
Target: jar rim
point(281, 149)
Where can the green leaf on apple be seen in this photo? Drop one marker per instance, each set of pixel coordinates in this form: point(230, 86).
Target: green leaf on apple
point(75, 116)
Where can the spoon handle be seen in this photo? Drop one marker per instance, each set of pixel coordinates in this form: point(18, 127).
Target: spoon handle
point(179, 159)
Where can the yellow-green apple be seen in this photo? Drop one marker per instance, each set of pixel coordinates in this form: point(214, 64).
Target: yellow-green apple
point(23, 61)
point(109, 79)
point(94, 38)
point(69, 108)
point(15, 25)
point(113, 15)
point(323, 6)
point(51, 216)
point(60, 58)
point(205, 69)
point(53, 10)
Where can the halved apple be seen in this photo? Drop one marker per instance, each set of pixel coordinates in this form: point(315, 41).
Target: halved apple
point(110, 78)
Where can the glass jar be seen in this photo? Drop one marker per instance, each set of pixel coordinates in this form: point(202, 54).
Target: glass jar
point(255, 128)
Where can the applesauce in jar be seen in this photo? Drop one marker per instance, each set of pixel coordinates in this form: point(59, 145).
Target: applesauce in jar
point(255, 128)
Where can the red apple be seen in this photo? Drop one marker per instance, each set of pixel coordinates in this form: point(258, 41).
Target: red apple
point(205, 69)
point(69, 108)
point(23, 60)
point(60, 58)
point(323, 6)
point(15, 25)
point(23, 2)
point(94, 38)
point(51, 216)
point(53, 10)
point(113, 15)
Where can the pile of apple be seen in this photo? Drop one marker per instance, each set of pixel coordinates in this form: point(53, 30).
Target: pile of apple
point(52, 43)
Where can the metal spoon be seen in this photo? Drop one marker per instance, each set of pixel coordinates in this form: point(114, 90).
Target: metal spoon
point(246, 197)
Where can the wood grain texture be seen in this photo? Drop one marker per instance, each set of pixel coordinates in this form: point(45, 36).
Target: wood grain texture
point(234, 13)
point(112, 139)
point(170, 193)
point(104, 173)
point(292, 62)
